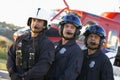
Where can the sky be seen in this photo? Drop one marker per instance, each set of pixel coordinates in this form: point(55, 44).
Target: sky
point(17, 11)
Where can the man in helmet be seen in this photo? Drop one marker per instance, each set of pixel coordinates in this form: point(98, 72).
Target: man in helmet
point(69, 58)
point(96, 65)
point(31, 56)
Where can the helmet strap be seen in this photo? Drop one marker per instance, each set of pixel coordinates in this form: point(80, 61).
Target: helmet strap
point(99, 46)
point(68, 38)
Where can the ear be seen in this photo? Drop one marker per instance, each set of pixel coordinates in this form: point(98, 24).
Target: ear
point(78, 32)
point(29, 21)
point(44, 27)
point(60, 30)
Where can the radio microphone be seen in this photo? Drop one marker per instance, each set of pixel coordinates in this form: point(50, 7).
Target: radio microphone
point(36, 27)
point(93, 43)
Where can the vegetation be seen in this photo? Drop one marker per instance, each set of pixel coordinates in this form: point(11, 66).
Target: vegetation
point(6, 40)
point(4, 45)
point(7, 30)
point(6, 37)
point(2, 64)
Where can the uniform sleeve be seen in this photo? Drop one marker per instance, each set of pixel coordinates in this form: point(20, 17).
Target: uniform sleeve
point(74, 66)
point(107, 71)
point(11, 57)
point(11, 60)
point(46, 58)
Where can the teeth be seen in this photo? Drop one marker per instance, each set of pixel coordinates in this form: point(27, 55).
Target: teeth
point(69, 33)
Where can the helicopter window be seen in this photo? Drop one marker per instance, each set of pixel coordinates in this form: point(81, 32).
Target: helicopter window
point(112, 40)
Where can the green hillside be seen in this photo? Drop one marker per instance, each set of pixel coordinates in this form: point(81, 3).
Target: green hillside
point(7, 30)
point(6, 37)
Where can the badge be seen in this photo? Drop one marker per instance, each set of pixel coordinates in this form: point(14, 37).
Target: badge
point(92, 64)
point(20, 44)
point(62, 51)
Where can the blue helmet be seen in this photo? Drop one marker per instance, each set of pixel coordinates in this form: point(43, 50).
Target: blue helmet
point(96, 29)
point(72, 18)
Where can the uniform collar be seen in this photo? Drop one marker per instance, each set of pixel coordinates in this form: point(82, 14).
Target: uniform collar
point(28, 36)
point(69, 43)
point(93, 55)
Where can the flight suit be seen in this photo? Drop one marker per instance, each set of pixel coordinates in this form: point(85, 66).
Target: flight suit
point(30, 57)
point(68, 62)
point(96, 66)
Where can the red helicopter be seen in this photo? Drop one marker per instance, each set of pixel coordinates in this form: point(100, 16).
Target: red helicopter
point(110, 21)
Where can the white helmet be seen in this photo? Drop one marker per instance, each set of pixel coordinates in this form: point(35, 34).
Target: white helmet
point(40, 14)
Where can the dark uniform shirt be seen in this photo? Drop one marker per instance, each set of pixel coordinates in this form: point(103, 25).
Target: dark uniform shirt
point(37, 56)
point(96, 67)
point(68, 62)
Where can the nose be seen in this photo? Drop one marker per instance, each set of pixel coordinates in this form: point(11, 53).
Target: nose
point(35, 22)
point(69, 28)
point(92, 38)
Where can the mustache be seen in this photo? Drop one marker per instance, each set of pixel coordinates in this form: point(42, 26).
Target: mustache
point(93, 43)
point(36, 27)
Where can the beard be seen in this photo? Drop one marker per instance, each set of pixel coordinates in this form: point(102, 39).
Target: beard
point(37, 29)
point(93, 46)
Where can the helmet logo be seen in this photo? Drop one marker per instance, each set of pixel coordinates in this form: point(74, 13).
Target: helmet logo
point(93, 29)
point(38, 11)
point(20, 44)
point(71, 17)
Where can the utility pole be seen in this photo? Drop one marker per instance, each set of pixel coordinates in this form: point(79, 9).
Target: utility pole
point(119, 9)
point(119, 5)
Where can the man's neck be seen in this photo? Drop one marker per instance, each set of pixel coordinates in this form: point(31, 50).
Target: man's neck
point(91, 51)
point(64, 41)
point(34, 34)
